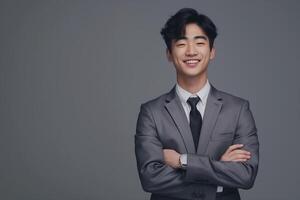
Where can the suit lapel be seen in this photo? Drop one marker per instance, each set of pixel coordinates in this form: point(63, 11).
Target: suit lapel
point(212, 109)
point(175, 109)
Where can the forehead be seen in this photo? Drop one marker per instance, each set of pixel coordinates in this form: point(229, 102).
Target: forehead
point(192, 30)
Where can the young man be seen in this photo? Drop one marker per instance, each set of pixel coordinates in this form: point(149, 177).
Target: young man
point(195, 142)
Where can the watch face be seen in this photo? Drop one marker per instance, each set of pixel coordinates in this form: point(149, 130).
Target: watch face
point(183, 160)
point(182, 163)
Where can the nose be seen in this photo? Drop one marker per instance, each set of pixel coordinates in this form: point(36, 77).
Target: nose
point(191, 50)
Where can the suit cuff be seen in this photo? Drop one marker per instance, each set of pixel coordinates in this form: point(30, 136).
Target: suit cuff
point(198, 168)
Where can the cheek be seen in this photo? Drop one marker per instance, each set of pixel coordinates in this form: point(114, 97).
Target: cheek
point(207, 55)
point(176, 57)
point(178, 52)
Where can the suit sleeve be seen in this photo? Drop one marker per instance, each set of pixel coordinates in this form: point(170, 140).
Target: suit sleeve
point(230, 174)
point(155, 176)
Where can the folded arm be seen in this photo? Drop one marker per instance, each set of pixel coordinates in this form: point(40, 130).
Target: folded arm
point(155, 176)
point(230, 173)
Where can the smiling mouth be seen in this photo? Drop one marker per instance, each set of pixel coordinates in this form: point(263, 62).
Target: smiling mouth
point(191, 62)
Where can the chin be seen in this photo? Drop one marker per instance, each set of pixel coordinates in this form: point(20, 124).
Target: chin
point(193, 74)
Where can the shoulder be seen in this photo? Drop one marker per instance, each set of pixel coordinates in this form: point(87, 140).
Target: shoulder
point(156, 102)
point(230, 99)
point(233, 105)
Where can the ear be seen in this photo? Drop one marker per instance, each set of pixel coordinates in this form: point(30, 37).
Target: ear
point(169, 55)
point(212, 53)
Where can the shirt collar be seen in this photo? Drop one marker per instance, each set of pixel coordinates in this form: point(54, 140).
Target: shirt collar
point(185, 95)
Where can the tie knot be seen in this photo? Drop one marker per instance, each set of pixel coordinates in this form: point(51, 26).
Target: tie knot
point(193, 101)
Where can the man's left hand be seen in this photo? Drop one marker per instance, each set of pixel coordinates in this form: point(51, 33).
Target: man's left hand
point(171, 158)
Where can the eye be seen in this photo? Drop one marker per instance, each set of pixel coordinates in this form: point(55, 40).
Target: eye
point(200, 43)
point(180, 45)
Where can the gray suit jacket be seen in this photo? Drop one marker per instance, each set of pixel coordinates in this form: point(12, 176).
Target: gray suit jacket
point(162, 124)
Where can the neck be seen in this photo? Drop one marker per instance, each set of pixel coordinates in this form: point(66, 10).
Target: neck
point(192, 85)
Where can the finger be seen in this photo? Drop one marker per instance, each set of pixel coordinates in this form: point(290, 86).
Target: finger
point(167, 150)
point(235, 146)
point(239, 160)
point(240, 151)
point(234, 154)
point(239, 156)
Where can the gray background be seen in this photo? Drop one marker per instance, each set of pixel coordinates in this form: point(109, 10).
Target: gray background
point(74, 73)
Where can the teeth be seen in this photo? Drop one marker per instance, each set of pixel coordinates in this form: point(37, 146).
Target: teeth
point(192, 61)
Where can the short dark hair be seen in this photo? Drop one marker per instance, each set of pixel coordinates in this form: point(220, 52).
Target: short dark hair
point(175, 26)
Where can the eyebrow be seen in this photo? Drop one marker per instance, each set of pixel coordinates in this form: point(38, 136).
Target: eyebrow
point(196, 37)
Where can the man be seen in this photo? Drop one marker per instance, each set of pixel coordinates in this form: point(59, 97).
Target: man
point(195, 142)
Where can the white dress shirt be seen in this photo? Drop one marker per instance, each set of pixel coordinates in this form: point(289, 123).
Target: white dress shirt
point(184, 96)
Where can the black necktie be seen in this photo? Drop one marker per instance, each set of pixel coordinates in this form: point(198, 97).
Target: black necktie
point(195, 119)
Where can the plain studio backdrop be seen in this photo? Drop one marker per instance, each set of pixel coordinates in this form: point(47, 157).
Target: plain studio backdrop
point(74, 73)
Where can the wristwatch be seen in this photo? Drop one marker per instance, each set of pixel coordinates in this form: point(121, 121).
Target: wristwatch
point(183, 161)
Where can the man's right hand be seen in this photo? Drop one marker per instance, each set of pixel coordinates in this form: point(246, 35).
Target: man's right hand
point(236, 154)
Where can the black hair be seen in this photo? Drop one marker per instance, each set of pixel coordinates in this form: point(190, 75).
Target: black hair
point(175, 26)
